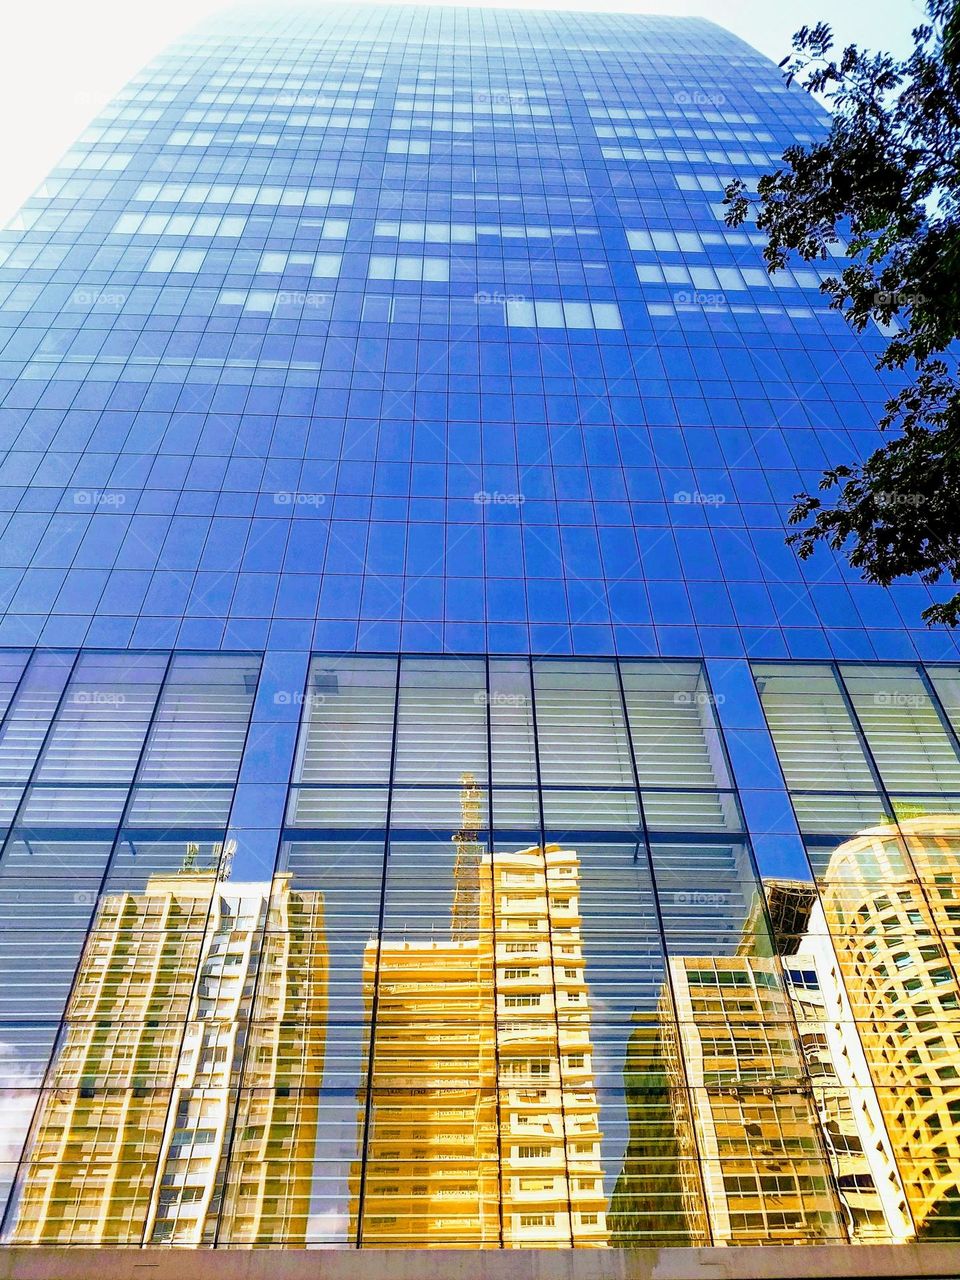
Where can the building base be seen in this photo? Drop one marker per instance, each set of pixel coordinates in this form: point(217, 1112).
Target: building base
point(824, 1262)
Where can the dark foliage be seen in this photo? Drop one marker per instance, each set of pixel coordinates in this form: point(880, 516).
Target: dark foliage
point(886, 180)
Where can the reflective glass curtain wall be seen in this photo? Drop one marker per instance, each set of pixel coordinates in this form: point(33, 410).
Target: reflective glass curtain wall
point(437, 808)
point(421, 329)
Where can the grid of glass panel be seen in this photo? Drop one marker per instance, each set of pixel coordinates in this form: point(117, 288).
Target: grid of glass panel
point(420, 329)
point(866, 924)
point(595, 887)
point(512, 975)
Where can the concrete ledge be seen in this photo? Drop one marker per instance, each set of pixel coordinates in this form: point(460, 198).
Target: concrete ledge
point(823, 1262)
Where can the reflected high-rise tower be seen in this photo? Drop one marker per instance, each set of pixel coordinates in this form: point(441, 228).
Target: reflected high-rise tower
point(753, 1127)
point(890, 901)
point(180, 988)
point(550, 1130)
point(483, 1113)
point(431, 1174)
point(725, 1146)
point(852, 1128)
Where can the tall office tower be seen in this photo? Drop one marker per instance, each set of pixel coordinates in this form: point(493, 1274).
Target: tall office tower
point(397, 448)
point(141, 1108)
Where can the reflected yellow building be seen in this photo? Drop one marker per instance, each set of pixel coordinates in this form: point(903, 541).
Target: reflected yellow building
point(484, 1120)
point(142, 1106)
point(893, 919)
point(869, 1150)
point(750, 1149)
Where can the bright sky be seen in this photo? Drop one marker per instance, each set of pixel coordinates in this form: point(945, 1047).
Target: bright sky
point(62, 60)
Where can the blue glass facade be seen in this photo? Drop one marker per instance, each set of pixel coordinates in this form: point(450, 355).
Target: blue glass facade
point(324, 337)
point(437, 805)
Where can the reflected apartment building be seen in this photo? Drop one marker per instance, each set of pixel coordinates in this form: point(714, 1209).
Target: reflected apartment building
point(890, 904)
point(848, 1103)
point(855, 1121)
point(179, 986)
point(752, 1144)
point(484, 1123)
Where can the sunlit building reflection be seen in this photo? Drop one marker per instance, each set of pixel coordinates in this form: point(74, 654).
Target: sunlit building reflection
point(851, 1118)
point(762, 1172)
point(483, 1121)
point(185, 991)
point(891, 906)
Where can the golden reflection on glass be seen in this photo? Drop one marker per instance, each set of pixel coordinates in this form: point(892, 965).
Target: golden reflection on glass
point(870, 952)
point(850, 1115)
point(896, 965)
point(141, 1107)
point(482, 1050)
point(592, 1040)
point(481, 1117)
point(763, 1172)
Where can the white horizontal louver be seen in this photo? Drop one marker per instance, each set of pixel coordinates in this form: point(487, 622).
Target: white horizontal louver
point(688, 811)
point(180, 806)
point(347, 730)
point(841, 815)
point(668, 729)
point(339, 807)
point(442, 733)
point(12, 666)
point(815, 739)
point(200, 727)
point(99, 734)
point(566, 810)
point(946, 681)
point(202, 752)
point(905, 734)
point(432, 808)
point(513, 754)
point(28, 718)
point(46, 861)
point(60, 805)
point(516, 809)
point(581, 732)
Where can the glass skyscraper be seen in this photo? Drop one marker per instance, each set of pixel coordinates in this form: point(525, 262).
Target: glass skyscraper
point(439, 809)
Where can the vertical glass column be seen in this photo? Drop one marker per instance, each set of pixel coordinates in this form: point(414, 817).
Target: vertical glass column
point(60, 845)
point(333, 859)
point(596, 882)
point(786, 742)
point(869, 759)
point(33, 687)
point(900, 965)
point(764, 1177)
point(149, 746)
point(431, 1175)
